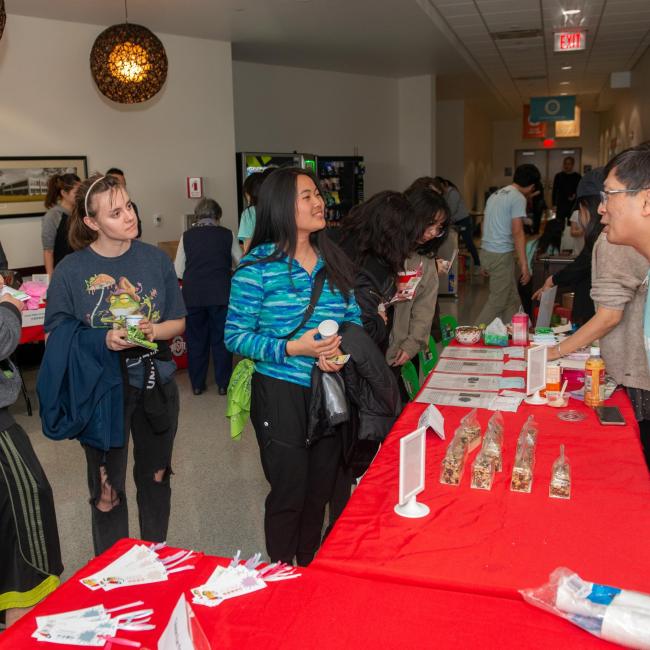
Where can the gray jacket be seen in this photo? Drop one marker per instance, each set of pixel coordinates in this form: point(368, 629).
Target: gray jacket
point(618, 281)
point(10, 327)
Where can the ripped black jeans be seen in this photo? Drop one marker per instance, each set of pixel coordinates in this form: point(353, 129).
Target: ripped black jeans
point(152, 456)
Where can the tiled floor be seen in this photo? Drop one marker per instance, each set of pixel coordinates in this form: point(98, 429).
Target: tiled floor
point(218, 486)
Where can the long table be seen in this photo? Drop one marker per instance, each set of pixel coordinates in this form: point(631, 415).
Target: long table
point(497, 542)
point(320, 609)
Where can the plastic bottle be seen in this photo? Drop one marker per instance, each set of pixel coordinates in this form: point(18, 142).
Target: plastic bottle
point(594, 379)
point(520, 329)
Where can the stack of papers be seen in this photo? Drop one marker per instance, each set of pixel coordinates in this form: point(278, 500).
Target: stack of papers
point(239, 579)
point(139, 565)
point(91, 626)
point(544, 336)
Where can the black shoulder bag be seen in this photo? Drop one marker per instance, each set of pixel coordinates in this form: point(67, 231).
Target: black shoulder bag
point(316, 290)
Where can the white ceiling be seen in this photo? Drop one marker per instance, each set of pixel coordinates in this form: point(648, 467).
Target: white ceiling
point(451, 38)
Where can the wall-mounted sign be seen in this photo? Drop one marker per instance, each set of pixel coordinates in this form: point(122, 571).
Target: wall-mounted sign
point(569, 128)
point(531, 129)
point(552, 109)
point(574, 41)
point(194, 187)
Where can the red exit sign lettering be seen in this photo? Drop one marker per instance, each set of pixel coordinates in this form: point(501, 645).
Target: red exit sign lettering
point(570, 41)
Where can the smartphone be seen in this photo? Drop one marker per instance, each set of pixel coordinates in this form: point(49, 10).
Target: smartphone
point(610, 415)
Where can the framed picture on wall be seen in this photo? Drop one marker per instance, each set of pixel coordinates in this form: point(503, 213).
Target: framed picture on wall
point(23, 182)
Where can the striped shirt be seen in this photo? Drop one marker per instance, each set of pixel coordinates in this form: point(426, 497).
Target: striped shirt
point(268, 301)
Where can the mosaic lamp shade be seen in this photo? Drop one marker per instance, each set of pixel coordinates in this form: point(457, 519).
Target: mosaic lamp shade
point(128, 63)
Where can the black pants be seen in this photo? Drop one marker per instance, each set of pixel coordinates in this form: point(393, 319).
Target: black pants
point(151, 453)
point(301, 478)
point(465, 229)
point(204, 328)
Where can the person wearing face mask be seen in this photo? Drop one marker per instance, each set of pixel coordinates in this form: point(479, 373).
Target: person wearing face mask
point(412, 318)
point(59, 201)
point(577, 275)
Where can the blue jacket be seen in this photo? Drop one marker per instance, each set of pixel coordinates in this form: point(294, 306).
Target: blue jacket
point(80, 387)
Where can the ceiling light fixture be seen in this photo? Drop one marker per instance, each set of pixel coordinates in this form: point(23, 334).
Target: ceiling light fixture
point(571, 12)
point(128, 62)
point(3, 17)
point(567, 67)
point(564, 83)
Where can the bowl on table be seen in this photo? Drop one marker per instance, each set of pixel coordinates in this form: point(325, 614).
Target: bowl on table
point(468, 335)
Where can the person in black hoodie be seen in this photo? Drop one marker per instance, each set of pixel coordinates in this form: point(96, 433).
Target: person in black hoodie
point(30, 556)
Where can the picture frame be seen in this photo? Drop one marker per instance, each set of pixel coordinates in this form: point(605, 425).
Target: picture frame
point(23, 182)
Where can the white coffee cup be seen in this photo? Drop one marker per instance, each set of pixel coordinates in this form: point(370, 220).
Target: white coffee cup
point(133, 320)
point(328, 328)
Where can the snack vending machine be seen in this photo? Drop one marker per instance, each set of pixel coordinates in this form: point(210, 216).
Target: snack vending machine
point(341, 179)
point(249, 162)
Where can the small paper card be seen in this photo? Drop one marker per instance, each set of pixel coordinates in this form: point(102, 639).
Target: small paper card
point(514, 365)
point(512, 382)
point(432, 418)
point(515, 352)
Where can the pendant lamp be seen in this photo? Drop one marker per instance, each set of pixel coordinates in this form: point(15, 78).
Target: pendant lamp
point(128, 62)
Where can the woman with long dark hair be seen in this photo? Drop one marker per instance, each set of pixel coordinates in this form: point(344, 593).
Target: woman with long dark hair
point(412, 318)
point(378, 236)
point(59, 201)
point(293, 278)
point(577, 275)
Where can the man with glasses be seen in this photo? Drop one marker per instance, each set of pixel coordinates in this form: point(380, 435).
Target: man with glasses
point(503, 236)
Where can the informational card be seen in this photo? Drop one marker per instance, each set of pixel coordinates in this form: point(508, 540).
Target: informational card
point(470, 399)
point(432, 418)
point(515, 365)
point(512, 382)
point(466, 367)
point(509, 403)
point(546, 304)
point(463, 382)
point(515, 352)
point(487, 354)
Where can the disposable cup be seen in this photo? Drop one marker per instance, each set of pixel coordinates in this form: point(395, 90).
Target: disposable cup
point(328, 328)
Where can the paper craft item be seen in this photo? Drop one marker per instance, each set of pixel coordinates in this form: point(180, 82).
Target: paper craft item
point(470, 399)
point(512, 382)
point(135, 335)
point(466, 367)
point(515, 365)
point(139, 565)
point(90, 626)
point(14, 293)
point(515, 352)
point(463, 382)
point(432, 418)
point(487, 354)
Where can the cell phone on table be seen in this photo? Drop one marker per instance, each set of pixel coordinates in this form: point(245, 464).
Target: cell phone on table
point(609, 415)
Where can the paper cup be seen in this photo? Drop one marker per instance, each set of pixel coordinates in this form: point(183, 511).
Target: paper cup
point(134, 320)
point(328, 328)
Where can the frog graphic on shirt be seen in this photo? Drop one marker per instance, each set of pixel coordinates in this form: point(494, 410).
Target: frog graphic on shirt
point(124, 299)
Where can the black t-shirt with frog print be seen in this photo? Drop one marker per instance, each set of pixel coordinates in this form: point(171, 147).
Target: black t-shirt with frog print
point(102, 291)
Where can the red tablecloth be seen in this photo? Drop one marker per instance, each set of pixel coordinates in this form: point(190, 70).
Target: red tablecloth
point(320, 609)
point(32, 334)
point(500, 541)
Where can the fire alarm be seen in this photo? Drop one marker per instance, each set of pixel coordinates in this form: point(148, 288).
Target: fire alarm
point(194, 187)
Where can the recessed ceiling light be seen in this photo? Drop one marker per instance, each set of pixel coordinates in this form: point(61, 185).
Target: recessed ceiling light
point(571, 12)
point(564, 93)
point(567, 67)
point(564, 83)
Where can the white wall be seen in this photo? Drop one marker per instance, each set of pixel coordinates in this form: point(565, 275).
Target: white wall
point(49, 105)
point(478, 155)
point(627, 123)
point(450, 141)
point(281, 109)
point(417, 128)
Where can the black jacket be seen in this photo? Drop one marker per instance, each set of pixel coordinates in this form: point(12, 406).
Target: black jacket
point(577, 275)
point(371, 389)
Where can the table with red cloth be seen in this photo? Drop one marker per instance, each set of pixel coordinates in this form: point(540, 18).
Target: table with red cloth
point(320, 609)
point(32, 334)
point(497, 542)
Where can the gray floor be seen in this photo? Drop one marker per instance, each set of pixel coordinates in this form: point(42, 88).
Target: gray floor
point(218, 486)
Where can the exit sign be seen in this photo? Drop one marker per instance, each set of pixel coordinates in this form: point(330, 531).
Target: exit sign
point(570, 41)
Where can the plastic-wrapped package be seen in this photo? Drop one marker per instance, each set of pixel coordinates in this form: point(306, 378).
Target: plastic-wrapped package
point(453, 464)
point(560, 485)
point(522, 471)
point(483, 469)
point(610, 613)
point(470, 430)
point(493, 440)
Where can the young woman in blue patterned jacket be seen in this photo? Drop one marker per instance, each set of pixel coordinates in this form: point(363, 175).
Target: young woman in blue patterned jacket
point(271, 291)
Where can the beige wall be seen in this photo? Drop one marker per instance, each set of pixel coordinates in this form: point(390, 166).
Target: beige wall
point(49, 105)
point(282, 109)
point(507, 138)
point(478, 155)
point(450, 141)
point(627, 123)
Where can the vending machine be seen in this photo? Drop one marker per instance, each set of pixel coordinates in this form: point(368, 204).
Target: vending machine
point(249, 162)
point(341, 179)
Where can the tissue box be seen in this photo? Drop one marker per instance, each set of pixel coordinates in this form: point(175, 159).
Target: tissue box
point(495, 339)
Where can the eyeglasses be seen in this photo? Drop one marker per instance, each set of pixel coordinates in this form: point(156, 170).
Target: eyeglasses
point(605, 194)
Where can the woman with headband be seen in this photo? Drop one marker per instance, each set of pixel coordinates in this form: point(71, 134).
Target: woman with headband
point(112, 281)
